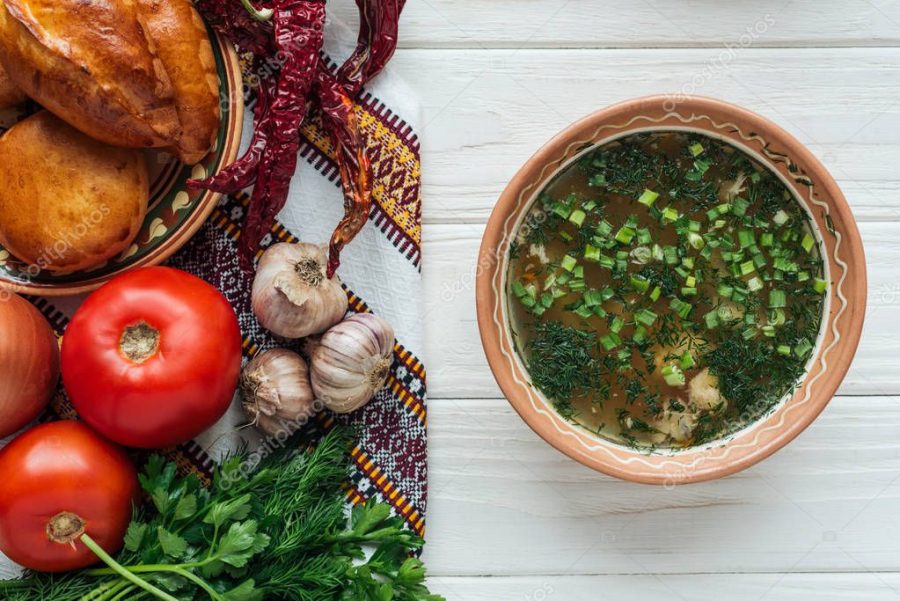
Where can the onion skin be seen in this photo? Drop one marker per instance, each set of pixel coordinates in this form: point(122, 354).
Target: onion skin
point(29, 363)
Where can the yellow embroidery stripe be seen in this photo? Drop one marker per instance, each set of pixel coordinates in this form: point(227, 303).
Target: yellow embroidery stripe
point(384, 144)
point(390, 492)
point(408, 399)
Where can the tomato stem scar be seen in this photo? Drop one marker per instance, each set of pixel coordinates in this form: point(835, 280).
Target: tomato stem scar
point(139, 342)
point(65, 528)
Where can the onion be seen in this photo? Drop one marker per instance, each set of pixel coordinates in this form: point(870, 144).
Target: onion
point(29, 363)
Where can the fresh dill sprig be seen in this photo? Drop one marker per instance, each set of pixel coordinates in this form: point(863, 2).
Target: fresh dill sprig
point(561, 362)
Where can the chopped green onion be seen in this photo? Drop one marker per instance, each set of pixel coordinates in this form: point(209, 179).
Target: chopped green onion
point(639, 335)
point(670, 215)
point(783, 349)
point(604, 228)
point(807, 242)
point(562, 210)
point(648, 198)
point(569, 262)
point(584, 312)
point(725, 291)
point(654, 294)
point(639, 283)
point(577, 217)
point(820, 285)
point(747, 267)
point(695, 240)
point(767, 239)
point(696, 149)
point(777, 299)
point(712, 319)
point(739, 206)
point(777, 317)
point(803, 347)
point(607, 261)
point(547, 299)
point(617, 324)
point(781, 217)
point(645, 316)
point(754, 284)
point(591, 253)
point(673, 375)
point(566, 236)
point(644, 236)
point(687, 360)
point(625, 235)
point(592, 298)
point(679, 306)
point(610, 341)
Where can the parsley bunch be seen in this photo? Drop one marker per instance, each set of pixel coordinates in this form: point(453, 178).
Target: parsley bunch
point(275, 532)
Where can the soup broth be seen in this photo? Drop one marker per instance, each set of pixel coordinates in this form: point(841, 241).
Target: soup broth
point(665, 290)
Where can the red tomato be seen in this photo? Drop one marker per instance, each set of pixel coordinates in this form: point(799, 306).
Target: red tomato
point(152, 358)
point(60, 480)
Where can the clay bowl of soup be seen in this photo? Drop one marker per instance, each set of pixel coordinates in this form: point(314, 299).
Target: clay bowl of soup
point(671, 290)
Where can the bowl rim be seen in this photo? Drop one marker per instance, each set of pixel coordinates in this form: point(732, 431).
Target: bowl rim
point(511, 201)
point(205, 204)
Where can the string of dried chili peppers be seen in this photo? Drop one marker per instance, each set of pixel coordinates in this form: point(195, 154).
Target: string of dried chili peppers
point(294, 42)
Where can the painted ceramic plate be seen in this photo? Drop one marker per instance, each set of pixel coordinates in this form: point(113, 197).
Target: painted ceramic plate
point(831, 220)
point(174, 214)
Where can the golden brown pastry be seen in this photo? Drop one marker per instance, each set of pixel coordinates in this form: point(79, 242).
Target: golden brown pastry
point(183, 44)
point(92, 64)
point(10, 95)
point(67, 201)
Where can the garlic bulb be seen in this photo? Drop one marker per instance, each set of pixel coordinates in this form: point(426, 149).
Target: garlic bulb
point(277, 395)
point(292, 297)
point(350, 362)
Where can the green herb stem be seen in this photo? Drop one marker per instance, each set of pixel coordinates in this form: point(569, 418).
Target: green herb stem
point(260, 15)
point(122, 571)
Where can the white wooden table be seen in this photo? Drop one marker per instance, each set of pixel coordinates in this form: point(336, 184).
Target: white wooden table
point(509, 517)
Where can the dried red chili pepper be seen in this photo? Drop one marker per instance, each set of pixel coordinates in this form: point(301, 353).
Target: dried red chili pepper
point(299, 31)
point(241, 173)
point(234, 22)
point(376, 45)
point(379, 26)
point(341, 123)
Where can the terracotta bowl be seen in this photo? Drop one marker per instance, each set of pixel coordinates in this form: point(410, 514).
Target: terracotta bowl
point(844, 308)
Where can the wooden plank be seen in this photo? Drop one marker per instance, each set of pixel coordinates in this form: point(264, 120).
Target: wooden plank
point(502, 502)
point(650, 23)
point(457, 367)
point(739, 587)
point(486, 112)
